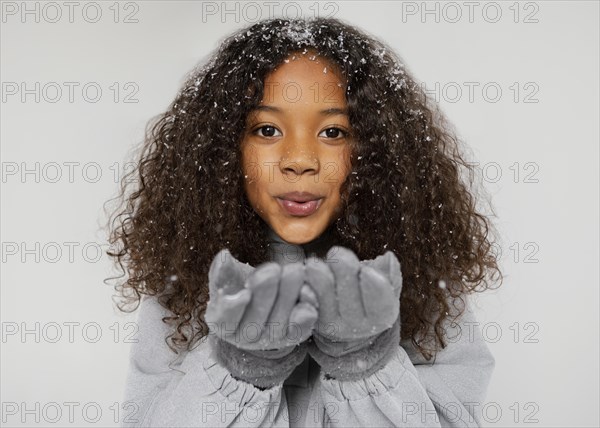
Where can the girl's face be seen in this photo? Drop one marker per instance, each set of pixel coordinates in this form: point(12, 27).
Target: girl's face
point(297, 140)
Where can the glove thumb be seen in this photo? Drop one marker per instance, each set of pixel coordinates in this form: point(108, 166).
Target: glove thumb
point(227, 273)
point(388, 265)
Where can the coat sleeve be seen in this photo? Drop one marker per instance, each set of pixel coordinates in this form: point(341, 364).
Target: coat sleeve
point(448, 391)
point(192, 389)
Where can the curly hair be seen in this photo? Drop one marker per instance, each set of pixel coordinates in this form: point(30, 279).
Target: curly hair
point(410, 189)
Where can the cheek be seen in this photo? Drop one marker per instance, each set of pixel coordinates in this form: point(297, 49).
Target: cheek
point(249, 163)
point(344, 166)
point(253, 183)
point(252, 191)
point(251, 174)
point(257, 163)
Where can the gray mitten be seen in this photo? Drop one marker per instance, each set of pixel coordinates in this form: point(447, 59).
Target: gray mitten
point(259, 318)
point(359, 312)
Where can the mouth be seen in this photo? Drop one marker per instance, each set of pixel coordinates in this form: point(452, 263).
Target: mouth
point(300, 205)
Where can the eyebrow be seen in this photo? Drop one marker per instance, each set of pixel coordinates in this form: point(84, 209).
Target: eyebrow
point(326, 112)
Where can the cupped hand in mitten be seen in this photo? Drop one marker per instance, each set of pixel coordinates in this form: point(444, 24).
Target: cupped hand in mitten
point(357, 300)
point(268, 308)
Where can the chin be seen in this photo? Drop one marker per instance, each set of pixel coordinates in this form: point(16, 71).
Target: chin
point(294, 239)
point(300, 241)
point(299, 236)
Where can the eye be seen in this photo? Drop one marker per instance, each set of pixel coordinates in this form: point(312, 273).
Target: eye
point(267, 131)
point(333, 133)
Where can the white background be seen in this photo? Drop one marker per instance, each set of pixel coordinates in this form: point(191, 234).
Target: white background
point(541, 325)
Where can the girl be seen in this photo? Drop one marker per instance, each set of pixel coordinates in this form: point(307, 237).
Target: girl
point(302, 244)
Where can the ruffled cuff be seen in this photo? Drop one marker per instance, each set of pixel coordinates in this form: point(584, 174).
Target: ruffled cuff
point(361, 363)
point(236, 390)
point(378, 383)
point(254, 369)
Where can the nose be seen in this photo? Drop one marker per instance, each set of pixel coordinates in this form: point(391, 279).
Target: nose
point(299, 156)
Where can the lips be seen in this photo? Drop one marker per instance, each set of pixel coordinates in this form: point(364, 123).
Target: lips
point(299, 196)
point(299, 203)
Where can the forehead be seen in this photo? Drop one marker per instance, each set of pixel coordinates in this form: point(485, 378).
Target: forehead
point(306, 77)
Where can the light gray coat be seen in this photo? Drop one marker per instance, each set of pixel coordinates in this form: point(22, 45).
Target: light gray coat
point(193, 389)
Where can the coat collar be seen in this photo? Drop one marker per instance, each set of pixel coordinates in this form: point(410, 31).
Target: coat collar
point(284, 253)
